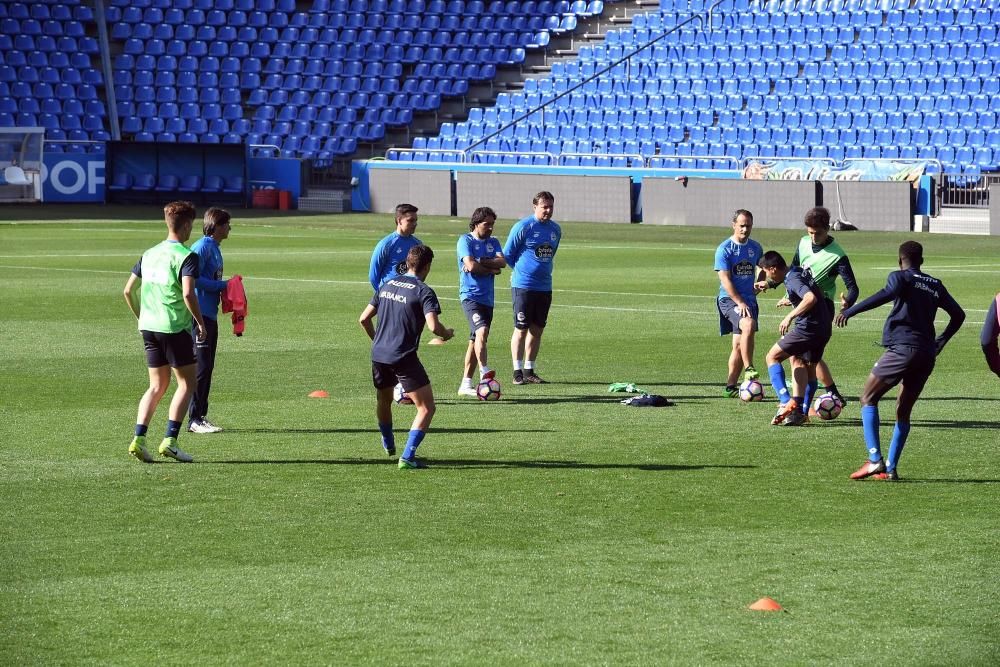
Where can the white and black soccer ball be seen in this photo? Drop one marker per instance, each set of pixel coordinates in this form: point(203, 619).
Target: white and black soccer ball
point(827, 406)
point(751, 390)
point(400, 396)
point(488, 390)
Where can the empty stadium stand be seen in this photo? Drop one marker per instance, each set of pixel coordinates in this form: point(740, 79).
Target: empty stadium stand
point(824, 79)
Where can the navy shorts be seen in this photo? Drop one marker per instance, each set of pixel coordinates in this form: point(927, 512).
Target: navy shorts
point(909, 365)
point(408, 372)
point(729, 315)
point(531, 308)
point(168, 349)
point(806, 345)
point(479, 315)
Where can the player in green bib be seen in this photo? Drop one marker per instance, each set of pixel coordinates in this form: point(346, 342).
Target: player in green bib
point(160, 293)
point(821, 255)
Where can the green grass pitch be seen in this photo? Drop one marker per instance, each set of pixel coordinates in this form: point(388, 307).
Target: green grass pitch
point(555, 527)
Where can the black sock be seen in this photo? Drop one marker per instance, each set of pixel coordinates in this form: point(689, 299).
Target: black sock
point(173, 428)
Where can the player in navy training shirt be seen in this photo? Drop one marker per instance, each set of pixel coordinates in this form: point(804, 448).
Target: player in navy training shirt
point(803, 342)
point(990, 334)
point(404, 305)
point(911, 350)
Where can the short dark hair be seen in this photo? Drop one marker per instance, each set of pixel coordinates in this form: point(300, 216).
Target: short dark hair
point(404, 210)
point(772, 259)
point(177, 214)
point(419, 258)
point(481, 214)
point(742, 211)
point(912, 252)
point(213, 218)
point(818, 218)
point(544, 195)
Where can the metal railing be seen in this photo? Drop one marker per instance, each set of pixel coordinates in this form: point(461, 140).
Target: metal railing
point(706, 16)
point(965, 190)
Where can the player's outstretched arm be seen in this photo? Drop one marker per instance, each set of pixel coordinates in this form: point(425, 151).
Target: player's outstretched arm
point(950, 306)
point(436, 328)
point(131, 288)
point(191, 301)
point(365, 320)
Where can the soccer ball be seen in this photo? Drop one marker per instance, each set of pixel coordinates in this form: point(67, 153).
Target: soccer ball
point(827, 406)
point(488, 390)
point(751, 390)
point(400, 396)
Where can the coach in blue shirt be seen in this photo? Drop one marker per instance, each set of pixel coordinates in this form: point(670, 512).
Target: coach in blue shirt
point(531, 251)
point(389, 257)
point(208, 288)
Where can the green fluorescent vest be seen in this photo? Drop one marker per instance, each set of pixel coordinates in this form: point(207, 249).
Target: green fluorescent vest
point(161, 295)
point(821, 264)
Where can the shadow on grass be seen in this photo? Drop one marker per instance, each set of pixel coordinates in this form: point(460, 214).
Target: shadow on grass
point(370, 430)
point(484, 463)
point(909, 480)
point(930, 423)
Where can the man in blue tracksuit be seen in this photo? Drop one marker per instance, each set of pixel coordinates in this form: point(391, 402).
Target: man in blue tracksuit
point(208, 288)
point(531, 252)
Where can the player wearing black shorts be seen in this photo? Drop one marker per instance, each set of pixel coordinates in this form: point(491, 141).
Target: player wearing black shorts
point(160, 292)
point(911, 350)
point(404, 305)
point(803, 342)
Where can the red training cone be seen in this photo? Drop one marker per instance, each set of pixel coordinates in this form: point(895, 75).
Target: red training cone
point(319, 393)
point(765, 604)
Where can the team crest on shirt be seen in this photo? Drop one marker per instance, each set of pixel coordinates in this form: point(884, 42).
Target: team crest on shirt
point(552, 237)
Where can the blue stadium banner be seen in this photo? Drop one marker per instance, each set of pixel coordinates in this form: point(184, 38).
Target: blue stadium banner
point(72, 178)
point(852, 170)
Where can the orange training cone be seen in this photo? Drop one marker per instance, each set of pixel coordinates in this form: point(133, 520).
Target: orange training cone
point(319, 393)
point(765, 604)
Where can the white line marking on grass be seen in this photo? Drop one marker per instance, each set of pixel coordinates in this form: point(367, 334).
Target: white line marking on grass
point(234, 253)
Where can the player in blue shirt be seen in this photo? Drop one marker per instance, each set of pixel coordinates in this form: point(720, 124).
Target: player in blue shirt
point(989, 335)
point(911, 349)
point(480, 260)
point(208, 288)
point(736, 262)
point(389, 257)
point(404, 305)
point(531, 251)
point(803, 342)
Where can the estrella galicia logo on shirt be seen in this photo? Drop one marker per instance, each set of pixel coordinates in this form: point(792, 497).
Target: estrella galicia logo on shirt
point(401, 268)
point(544, 251)
point(744, 269)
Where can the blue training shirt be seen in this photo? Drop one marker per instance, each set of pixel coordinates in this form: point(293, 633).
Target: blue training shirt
point(209, 286)
point(741, 260)
point(389, 258)
point(476, 287)
point(401, 305)
point(916, 297)
point(531, 251)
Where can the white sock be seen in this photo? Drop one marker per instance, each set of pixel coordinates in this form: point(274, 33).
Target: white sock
point(529, 365)
point(466, 382)
point(483, 370)
point(518, 364)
